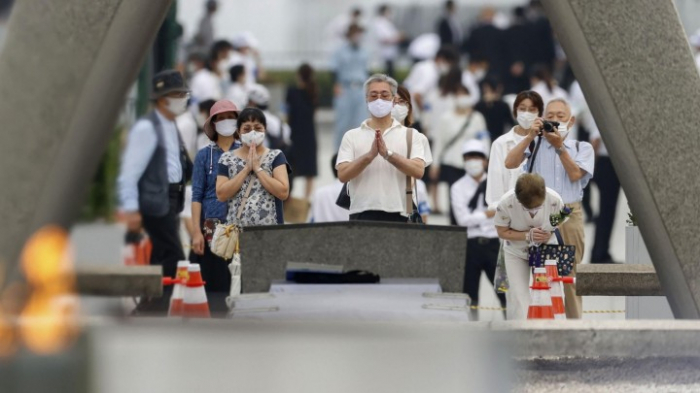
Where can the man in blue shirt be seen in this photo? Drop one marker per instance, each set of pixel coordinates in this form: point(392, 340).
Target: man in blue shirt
point(566, 166)
point(154, 169)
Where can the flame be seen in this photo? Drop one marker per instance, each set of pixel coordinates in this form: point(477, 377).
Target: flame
point(48, 321)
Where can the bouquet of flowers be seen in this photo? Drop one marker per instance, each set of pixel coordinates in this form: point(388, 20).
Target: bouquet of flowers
point(558, 218)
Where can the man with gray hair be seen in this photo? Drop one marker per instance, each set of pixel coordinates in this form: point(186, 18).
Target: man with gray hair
point(566, 166)
point(373, 159)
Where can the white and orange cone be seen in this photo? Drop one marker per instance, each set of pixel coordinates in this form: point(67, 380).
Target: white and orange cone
point(177, 299)
point(556, 289)
point(195, 299)
point(540, 299)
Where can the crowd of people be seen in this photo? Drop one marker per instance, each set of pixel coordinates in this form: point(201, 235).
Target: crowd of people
point(471, 113)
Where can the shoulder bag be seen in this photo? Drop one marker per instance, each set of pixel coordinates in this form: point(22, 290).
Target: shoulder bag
point(225, 239)
point(563, 254)
point(411, 209)
point(456, 137)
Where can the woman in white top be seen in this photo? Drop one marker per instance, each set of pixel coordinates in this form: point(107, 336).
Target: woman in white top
point(523, 218)
point(527, 107)
point(238, 92)
point(545, 85)
point(205, 83)
point(455, 128)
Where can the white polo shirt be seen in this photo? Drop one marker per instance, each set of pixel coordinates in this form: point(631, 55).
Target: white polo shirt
point(500, 178)
point(380, 186)
point(511, 214)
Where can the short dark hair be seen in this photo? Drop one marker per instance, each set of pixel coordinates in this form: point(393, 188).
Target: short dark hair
point(491, 81)
point(449, 5)
point(333, 160)
point(533, 96)
point(236, 71)
point(449, 53)
point(251, 114)
point(205, 106)
point(473, 154)
point(383, 9)
point(218, 47)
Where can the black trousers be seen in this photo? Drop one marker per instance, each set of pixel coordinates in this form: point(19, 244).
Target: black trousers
point(378, 215)
point(609, 187)
point(167, 251)
point(450, 175)
point(482, 256)
point(217, 279)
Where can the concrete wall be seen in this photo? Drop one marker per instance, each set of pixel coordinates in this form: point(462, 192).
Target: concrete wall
point(637, 73)
point(390, 250)
point(66, 67)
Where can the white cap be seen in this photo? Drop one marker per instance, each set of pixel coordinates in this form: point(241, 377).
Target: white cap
point(474, 146)
point(550, 262)
point(193, 267)
point(245, 40)
point(695, 39)
point(424, 47)
point(538, 270)
point(259, 94)
point(183, 263)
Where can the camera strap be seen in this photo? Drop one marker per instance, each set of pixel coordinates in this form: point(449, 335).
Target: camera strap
point(531, 161)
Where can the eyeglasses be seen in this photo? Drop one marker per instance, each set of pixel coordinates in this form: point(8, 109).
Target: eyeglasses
point(179, 94)
point(385, 95)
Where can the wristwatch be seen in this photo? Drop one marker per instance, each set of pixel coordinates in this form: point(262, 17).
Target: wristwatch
point(559, 150)
point(388, 155)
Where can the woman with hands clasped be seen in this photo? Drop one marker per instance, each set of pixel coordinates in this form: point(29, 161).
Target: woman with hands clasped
point(523, 219)
point(253, 179)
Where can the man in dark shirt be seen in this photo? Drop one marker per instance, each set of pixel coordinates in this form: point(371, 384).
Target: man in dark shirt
point(495, 111)
point(487, 41)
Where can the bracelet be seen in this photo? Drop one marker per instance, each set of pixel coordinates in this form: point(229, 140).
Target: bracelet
point(258, 170)
point(528, 238)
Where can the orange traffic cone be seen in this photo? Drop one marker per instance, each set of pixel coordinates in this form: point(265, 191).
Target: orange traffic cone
point(541, 301)
point(556, 289)
point(177, 299)
point(195, 299)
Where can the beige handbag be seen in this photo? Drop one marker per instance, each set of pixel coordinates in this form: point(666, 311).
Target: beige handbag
point(224, 242)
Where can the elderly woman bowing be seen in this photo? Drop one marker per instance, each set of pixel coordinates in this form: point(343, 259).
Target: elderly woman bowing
point(523, 218)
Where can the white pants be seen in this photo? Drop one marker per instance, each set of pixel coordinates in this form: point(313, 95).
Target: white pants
point(518, 295)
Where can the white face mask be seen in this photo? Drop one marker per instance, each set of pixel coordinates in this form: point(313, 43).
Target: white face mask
point(480, 74)
point(525, 119)
point(399, 112)
point(177, 106)
point(226, 127)
point(253, 138)
point(463, 102)
point(380, 108)
point(443, 69)
point(564, 129)
point(474, 167)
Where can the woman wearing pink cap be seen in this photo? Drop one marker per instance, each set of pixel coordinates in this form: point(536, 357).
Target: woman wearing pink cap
point(207, 211)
